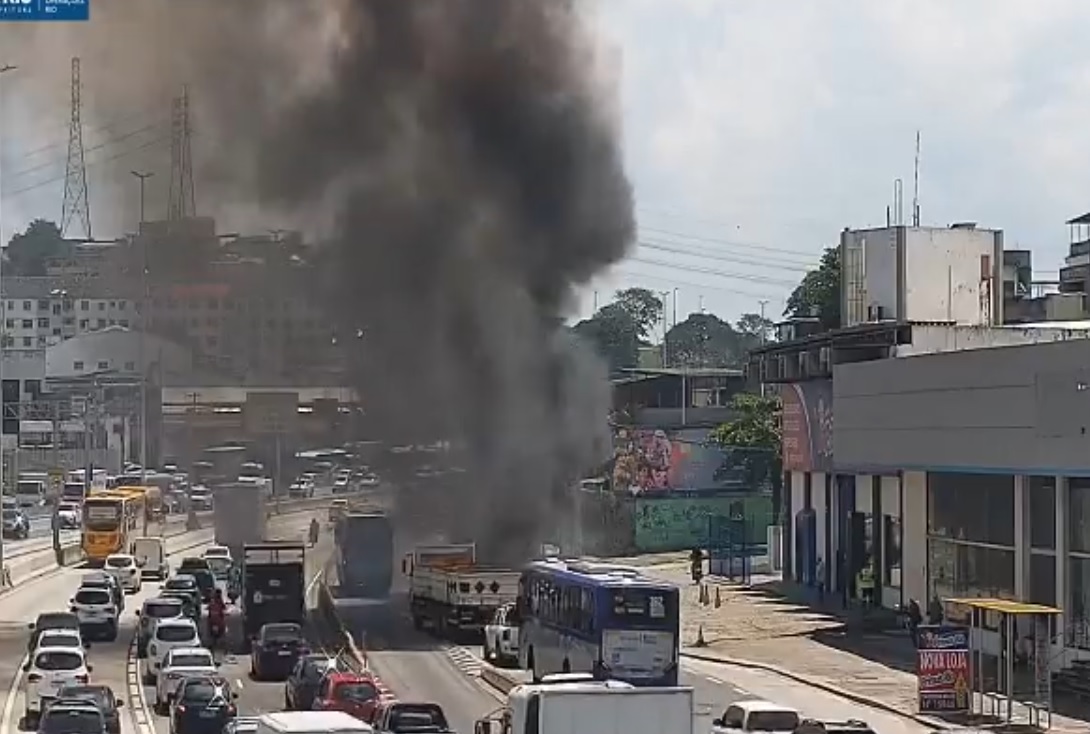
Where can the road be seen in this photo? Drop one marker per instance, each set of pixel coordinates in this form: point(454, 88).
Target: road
point(111, 660)
point(415, 666)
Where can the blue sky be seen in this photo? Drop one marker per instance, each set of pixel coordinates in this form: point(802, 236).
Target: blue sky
point(754, 131)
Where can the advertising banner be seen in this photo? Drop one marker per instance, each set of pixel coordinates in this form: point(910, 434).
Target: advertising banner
point(807, 425)
point(649, 460)
point(942, 669)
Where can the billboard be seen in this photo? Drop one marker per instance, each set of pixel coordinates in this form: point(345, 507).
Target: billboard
point(655, 460)
point(807, 425)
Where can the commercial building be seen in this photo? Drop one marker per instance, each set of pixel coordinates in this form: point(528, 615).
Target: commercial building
point(42, 311)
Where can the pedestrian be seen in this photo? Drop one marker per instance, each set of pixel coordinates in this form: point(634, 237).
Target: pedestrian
point(819, 579)
point(915, 618)
point(696, 560)
point(865, 583)
point(217, 618)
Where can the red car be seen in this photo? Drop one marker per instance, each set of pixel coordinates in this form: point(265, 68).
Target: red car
point(355, 694)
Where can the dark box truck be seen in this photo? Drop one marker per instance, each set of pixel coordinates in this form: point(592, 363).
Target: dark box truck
point(364, 547)
point(273, 586)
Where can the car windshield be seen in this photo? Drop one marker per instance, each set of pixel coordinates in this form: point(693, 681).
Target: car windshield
point(193, 564)
point(772, 721)
point(81, 720)
point(180, 584)
point(281, 632)
point(56, 620)
point(220, 566)
point(67, 507)
point(59, 639)
point(174, 633)
point(95, 694)
point(92, 596)
point(162, 609)
point(410, 717)
point(58, 660)
point(191, 660)
point(203, 691)
point(355, 692)
point(119, 562)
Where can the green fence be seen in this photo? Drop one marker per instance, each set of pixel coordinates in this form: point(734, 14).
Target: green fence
point(679, 523)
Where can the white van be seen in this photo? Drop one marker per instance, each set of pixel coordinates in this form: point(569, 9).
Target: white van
point(151, 556)
point(311, 722)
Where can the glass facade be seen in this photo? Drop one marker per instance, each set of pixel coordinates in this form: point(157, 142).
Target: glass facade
point(891, 557)
point(976, 508)
point(1078, 514)
point(965, 570)
point(1042, 512)
point(1042, 579)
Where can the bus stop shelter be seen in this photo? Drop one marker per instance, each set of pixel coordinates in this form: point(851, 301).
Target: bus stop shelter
point(1018, 638)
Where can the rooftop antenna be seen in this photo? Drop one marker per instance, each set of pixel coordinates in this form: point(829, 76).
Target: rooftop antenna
point(898, 202)
point(916, 185)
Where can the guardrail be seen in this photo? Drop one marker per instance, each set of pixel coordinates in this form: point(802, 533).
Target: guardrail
point(34, 563)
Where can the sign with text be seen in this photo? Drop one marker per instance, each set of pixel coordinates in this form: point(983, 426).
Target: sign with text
point(807, 415)
point(942, 669)
point(45, 10)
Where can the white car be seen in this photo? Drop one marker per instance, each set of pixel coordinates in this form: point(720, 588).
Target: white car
point(169, 634)
point(200, 498)
point(180, 663)
point(756, 716)
point(125, 569)
point(59, 638)
point(369, 480)
point(47, 672)
point(96, 611)
point(217, 551)
point(69, 515)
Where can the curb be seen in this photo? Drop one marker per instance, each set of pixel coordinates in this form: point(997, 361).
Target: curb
point(821, 686)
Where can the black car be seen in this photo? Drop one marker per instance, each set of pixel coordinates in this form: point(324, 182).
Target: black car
point(201, 572)
point(202, 705)
point(277, 646)
point(101, 697)
point(301, 687)
point(187, 583)
point(72, 717)
point(50, 621)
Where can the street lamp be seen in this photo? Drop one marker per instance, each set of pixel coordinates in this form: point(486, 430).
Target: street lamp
point(143, 178)
point(3, 334)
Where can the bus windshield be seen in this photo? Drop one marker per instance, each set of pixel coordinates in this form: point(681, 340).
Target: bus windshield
point(101, 515)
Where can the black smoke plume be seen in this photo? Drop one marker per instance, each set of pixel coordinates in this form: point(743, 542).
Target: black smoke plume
point(459, 163)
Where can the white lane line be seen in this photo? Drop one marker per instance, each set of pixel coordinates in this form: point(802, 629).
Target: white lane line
point(9, 703)
point(713, 679)
point(138, 704)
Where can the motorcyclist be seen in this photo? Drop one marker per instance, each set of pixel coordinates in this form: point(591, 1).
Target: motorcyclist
point(217, 613)
point(314, 531)
point(696, 564)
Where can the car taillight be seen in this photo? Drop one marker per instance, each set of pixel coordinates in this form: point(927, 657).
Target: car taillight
point(81, 679)
point(180, 709)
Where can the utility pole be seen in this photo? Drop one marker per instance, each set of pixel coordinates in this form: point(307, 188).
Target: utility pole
point(4, 68)
point(665, 329)
point(143, 177)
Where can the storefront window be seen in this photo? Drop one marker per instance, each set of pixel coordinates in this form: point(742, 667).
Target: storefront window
point(962, 570)
point(971, 507)
point(1078, 624)
point(1079, 514)
point(1042, 512)
point(892, 556)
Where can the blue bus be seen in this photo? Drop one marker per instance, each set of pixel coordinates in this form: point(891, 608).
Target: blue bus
point(608, 620)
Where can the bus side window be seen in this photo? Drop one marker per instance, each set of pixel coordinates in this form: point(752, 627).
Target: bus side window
point(586, 609)
point(533, 714)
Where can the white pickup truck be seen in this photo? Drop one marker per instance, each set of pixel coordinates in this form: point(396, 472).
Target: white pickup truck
point(501, 637)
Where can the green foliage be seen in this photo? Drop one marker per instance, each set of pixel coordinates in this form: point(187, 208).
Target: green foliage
point(753, 330)
point(703, 340)
point(28, 251)
point(753, 440)
point(819, 292)
point(643, 306)
point(614, 334)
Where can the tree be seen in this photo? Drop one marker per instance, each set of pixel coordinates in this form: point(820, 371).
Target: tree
point(819, 292)
point(753, 330)
point(614, 334)
point(28, 251)
point(703, 340)
point(643, 306)
point(753, 441)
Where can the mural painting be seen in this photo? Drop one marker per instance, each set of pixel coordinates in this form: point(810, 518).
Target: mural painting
point(649, 460)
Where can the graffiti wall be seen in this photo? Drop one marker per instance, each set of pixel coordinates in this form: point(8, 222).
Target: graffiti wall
point(676, 523)
point(654, 461)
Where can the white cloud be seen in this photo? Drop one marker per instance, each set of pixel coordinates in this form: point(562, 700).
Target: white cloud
point(786, 121)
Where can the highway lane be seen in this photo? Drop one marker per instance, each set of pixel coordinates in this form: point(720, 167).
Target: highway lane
point(254, 697)
point(109, 659)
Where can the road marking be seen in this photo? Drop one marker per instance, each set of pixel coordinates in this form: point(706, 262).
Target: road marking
point(713, 679)
point(9, 704)
point(238, 682)
point(138, 704)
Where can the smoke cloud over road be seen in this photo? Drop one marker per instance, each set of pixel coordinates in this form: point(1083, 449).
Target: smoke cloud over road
point(460, 161)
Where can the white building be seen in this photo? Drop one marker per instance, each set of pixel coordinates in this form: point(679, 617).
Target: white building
point(40, 311)
point(117, 350)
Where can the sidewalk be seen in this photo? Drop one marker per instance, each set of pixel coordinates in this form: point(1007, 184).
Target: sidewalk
point(760, 627)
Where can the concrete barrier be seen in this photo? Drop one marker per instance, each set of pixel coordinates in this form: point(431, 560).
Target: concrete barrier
point(69, 555)
point(502, 680)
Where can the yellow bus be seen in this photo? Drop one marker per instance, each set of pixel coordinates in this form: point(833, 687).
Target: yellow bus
point(111, 519)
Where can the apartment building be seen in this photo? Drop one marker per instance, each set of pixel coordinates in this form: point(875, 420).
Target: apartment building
point(38, 312)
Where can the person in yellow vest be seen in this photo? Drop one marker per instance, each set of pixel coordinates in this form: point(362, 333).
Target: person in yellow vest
point(864, 581)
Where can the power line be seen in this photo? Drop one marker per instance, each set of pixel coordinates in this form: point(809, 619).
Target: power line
point(733, 243)
point(772, 264)
point(719, 273)
point(699, 286)
point(104, 144)
point(121, 154)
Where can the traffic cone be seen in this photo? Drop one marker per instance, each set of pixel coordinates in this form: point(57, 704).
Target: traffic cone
point(704, 598)
point(718, 599)
point(700, 642)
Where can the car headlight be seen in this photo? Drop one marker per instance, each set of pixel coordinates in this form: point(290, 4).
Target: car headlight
point(153, 650)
